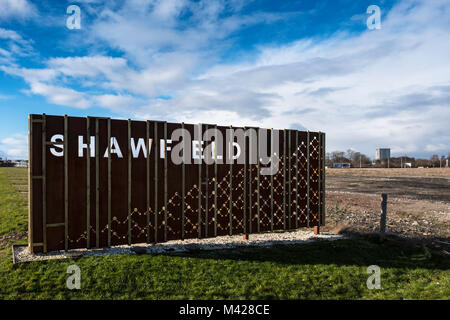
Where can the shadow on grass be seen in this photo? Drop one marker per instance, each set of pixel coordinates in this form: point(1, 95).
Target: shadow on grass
point(360, 251)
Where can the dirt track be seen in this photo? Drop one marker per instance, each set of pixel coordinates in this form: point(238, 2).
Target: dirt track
point(418, 203)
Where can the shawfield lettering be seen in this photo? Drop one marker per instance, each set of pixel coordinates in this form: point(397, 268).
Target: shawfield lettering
point(187, 149)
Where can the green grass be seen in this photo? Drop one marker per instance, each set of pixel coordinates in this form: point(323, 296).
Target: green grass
point(13, 205)
point(319, 270)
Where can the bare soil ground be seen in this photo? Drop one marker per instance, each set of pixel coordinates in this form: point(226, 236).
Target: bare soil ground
point(418, 201)
point(416, 184)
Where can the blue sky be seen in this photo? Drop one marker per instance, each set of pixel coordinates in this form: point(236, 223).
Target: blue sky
point(284, 64)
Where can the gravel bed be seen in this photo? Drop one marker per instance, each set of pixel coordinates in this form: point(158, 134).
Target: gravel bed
point(21, 253)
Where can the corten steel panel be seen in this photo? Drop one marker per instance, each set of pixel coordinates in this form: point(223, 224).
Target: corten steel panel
point(153, 183)
point(127, 199)
point(191, 194)
point(223, 191)
point(159, 194)
point(237, 193)
point(264, 200)
point(35, 171)
point(77, 182)
point(103, 183)
point(302, 181)
point(292, 179)
point(207, 188)
point(278, 188)
point(253, 189)
point(90, 214)
point(139, 183)
point(322, 181)
point(203, 183)
point(174, 191)
point(55, 187)
point(253, 198)
point(209, 176)
point(314, 179)
point(119, 184)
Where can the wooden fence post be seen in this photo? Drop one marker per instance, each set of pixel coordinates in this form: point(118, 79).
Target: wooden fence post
point(383, 212)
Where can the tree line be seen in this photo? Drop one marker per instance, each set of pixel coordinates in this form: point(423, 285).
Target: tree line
point(360, 160)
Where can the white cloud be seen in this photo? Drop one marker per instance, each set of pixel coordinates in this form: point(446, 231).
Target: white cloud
point(385, 87)
point(40, 83)
point(10, 34)
point(31, 75)
point(12, 46)
point(20, 9)
point(61, 95)
point(435, 147)
point(117, 102)
point(92, 66)
point(15, 146)
point(393, 84)
point(147, 31)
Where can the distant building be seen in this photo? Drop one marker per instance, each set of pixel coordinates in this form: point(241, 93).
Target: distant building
point(341, 165)
point(383, 154)
point(6, 163)
point(21, 163)
point(14, 163)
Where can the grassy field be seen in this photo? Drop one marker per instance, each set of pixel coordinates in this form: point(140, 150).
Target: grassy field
point(319, 270)
point(13, 203)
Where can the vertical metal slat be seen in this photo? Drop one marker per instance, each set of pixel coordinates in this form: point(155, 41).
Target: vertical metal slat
point(244, 185)
point(199, 219)
point(290, 182)
point(257, 187)
point(130, 217)
point(284, 178)
point(109, 180)
point(88, 183)
point(250, 217)
point(324, 208)
point(215, 185)
point(165, 181)
point(147, 162)
point(296, 159)
point(156, 178)
point(66, 184)
point(271, 181)
point(30, 184)
point(307, 179)
point(230, 204)
point(319, 165)
point(206, 196)
point(44, 183)
point(183, 186)
point(97, 188)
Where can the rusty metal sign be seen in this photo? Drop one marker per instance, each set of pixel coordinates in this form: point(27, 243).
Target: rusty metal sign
point(99, 182)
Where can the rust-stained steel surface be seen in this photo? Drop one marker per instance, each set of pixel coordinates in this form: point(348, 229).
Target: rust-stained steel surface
point(97, 199)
